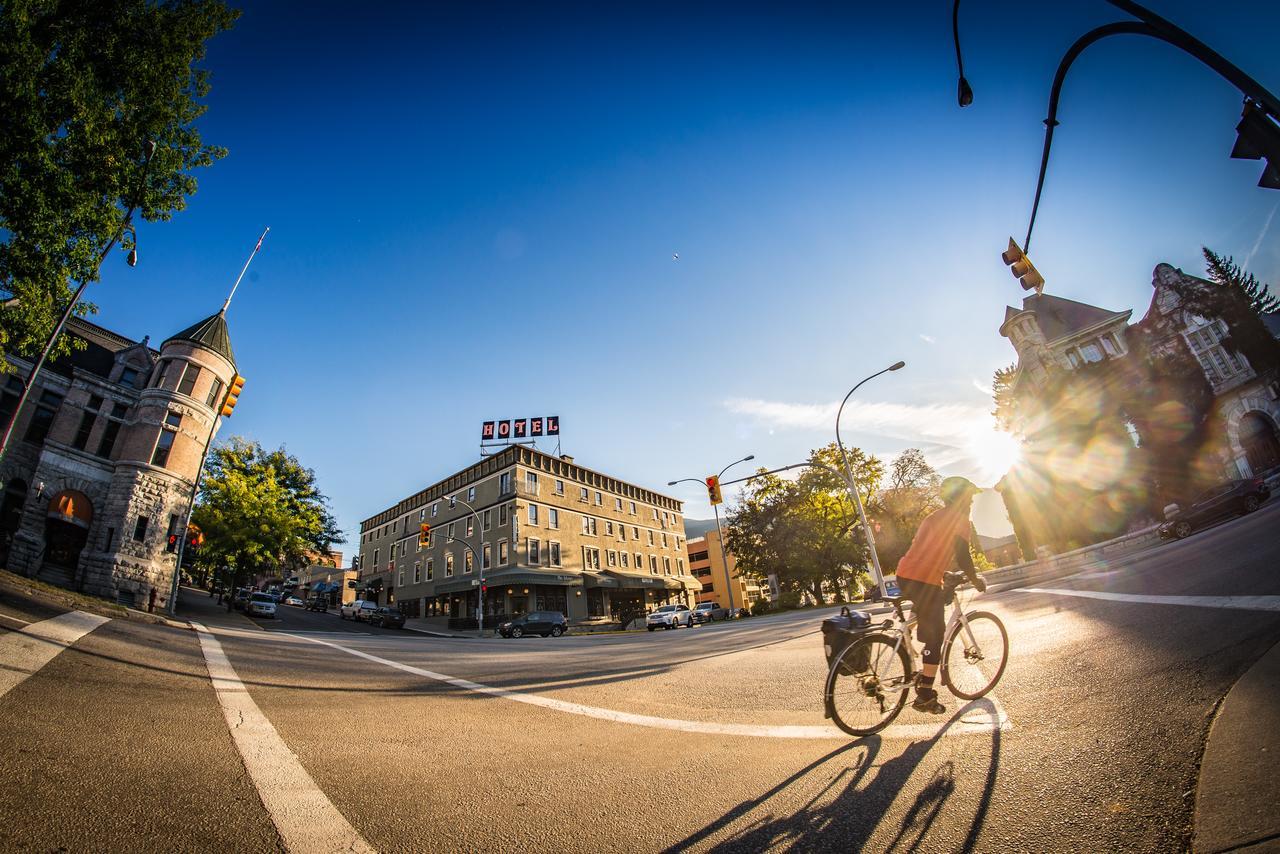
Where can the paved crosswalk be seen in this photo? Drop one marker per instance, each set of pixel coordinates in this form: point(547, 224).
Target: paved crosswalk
point(26, 650)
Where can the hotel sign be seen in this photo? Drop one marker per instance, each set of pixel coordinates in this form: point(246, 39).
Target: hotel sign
point(520, 428)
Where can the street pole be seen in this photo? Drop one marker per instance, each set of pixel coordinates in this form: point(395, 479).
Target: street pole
point(479, 564)
point(125, 225)
point(724, 555)
point(853, 487)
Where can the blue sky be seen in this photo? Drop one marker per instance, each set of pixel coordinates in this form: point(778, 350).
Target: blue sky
point(474, 214)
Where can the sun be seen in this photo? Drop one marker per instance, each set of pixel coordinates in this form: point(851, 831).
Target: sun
point(994, 452)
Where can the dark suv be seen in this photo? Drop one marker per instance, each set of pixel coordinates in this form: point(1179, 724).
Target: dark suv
point(317, 603)
point(388, 618)
point(543, 623)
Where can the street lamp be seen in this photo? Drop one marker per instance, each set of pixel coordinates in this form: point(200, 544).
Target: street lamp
point(853, 488)
point(724, 557)
point(479, 562)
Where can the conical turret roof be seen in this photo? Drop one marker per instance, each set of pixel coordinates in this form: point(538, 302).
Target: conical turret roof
point(212, 333)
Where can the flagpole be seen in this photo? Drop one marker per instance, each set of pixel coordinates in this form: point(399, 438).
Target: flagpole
point(245, 269)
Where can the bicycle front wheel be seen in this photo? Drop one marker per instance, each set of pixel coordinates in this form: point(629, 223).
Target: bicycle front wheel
point(974, 657)
point(867, 684)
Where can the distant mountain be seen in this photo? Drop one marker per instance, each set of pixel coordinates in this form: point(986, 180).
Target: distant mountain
point(694, 528)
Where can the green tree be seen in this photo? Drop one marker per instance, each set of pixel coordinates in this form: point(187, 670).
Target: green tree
point(910, 494)
point(1239, 300)
point(261, 511)
point(83, 86)
point(805, 530)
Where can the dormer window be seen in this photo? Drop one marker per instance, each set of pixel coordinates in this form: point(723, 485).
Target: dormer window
point(129, 377)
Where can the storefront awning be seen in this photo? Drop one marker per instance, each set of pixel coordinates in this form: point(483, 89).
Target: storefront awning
point(529, 576)
point(632, 580)
point(595, 579)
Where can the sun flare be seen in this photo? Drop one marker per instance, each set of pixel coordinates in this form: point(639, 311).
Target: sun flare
point(994, 452)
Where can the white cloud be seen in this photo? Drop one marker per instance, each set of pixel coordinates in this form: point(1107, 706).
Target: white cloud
point(928, 339)
point(985, 389)
point(943, 423)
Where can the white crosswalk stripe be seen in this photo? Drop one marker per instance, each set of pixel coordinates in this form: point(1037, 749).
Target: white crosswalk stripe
point(26, 650)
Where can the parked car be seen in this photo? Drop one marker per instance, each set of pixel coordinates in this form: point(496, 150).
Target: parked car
point(241, 598)
point(669, 617)
point(1216, 504)
point(709, 612)
point(388, 618)
point(317, 603)
point(261, 605)
point(543, 623)
point(294, 601)
point(358, 610)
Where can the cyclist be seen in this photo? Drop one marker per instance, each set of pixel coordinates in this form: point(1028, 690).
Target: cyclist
point(941, 543)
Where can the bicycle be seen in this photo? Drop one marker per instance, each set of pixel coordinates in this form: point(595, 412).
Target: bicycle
point(869, 679)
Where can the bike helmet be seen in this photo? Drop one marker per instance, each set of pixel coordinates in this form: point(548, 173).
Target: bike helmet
point(955, 488)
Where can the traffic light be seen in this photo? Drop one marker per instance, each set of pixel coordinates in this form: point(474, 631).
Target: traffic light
point(1259, 139)
point(1022, 268)
point(713, 490)
point(424, 535)
point(233, 394)
point(484, 588)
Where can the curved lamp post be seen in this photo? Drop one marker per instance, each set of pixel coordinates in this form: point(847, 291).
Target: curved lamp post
point(477, 559)
point(848, 470)
point(724, 557)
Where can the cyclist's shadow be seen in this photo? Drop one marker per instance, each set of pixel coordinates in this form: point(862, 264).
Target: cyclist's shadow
point(854, 813)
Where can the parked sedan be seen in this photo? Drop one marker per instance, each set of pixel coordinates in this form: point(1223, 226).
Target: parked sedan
point(1215, 505)
point(294, 601)
point(709, 612)
point(261, 605)
point(669, 617)
point(388, 618)
point(543, 623)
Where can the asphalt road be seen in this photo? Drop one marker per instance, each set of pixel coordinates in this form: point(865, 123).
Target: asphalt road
point(709, 738)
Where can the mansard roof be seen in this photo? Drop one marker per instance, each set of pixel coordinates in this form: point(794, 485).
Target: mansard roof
point(212, 333)
point(1061, 318)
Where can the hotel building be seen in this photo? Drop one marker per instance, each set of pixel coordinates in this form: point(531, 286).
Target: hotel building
point(545, 534)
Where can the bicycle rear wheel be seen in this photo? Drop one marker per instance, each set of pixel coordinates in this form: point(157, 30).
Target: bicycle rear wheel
point(973, 660)
point(867, 684)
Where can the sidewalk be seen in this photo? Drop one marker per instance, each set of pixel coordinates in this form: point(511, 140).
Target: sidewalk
point(1238, 796)
point(196, 604)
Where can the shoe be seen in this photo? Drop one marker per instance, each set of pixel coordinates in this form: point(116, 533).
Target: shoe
point(927, 700)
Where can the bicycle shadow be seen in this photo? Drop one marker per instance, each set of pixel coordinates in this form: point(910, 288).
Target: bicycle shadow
point(863, 803)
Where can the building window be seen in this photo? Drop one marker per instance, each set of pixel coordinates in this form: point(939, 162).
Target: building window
point(160, 456)
point(618, 503)
point(553, 549)
point(422, 515)
point(468, 562)
point(140, 529)
point(417, 571)
point(486, 556)
point(531, 482)
point(377, 554)
point(535, 552)
point(653, 564)
point(599, 500)
point(488, 519)
point(453, 501)
point(435, 509)
point(559, 487)
point(215, 393)
point(504, 483)
point(189, 376)
point(664, 539)
point(431, 568)
point(588, 526)
point(400, 578)
point(502, 516)
point(471, 493)
point(129, 377)
point(553, 517)
point(42, 418)
point(582, 493)
point(162, 371)
point(633, 508)
point(590, 558)
point(639, 561)
point(608, 528)
point(502, 553)
point(635, 533)
point(650, 530)
point(402, 547)
point(533, 514)
point(450, 531)
point(666, 565)
point(622, 558)
point(87, 421)
point(471, 525)
point(448, 564)
point(611, 557)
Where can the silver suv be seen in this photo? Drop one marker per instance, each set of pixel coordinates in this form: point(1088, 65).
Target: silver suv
point(669, 617)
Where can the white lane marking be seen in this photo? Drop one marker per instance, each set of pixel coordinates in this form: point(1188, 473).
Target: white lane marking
point(974, 722)
point(306, 819)
point(1244, 603)
point(24, 651)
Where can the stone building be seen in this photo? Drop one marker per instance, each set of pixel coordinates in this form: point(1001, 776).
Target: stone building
point(104, 456)
point(547, 535)
point(1051, 331)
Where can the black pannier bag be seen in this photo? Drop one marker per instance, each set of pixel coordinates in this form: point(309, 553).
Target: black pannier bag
point(840, 631)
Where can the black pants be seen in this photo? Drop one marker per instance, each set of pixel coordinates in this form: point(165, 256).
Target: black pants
point(928, 607)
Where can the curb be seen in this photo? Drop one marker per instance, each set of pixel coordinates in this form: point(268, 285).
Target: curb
point(1238, 789)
